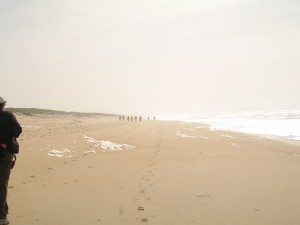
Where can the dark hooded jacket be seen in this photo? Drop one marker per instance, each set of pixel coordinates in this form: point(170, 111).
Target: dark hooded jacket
point(9, 127)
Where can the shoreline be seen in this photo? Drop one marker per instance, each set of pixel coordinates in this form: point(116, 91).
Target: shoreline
point(274, 137)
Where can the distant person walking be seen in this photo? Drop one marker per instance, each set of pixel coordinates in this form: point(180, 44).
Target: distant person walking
point(140, 119)
point(9, 128)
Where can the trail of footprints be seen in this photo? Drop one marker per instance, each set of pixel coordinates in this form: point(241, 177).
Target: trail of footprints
point(146, 184)
point(146, 179)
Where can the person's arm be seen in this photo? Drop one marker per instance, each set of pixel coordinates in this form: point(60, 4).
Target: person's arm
point(16, 128)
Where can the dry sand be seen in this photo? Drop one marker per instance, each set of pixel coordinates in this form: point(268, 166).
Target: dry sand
point(178, 174)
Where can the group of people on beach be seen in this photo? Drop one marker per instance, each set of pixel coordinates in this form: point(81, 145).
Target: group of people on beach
point(132, 118)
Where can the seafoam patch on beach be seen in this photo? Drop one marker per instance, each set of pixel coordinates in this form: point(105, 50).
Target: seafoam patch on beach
point(228, 136)
point(180, 134)
point(60, 153)
point(108, 145)
point(89, 139)
point(203, 137)
point(30, 126)
point(186, 123)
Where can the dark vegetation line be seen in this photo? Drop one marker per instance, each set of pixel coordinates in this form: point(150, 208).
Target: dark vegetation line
point(35, 111)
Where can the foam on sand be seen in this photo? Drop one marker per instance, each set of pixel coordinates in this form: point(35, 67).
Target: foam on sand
point(108, 145)
point(60, 153)
point(227, 136)
point(180, 134)
point(203, 137)
point(183, 135)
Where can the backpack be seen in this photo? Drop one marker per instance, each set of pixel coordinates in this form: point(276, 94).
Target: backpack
point(11, 142)
point(13, 146)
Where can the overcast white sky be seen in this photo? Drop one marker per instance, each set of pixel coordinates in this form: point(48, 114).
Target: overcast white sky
point(150, 57)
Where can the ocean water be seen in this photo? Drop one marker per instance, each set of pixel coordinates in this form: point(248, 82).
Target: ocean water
point(284, 124)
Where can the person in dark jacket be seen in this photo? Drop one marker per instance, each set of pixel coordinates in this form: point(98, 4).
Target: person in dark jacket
point(9, 128)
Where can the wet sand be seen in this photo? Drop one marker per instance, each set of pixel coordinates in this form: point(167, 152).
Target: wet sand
point(178, 173)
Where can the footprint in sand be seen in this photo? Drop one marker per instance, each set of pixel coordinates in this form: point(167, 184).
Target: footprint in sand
point(144, 220)
point(203, 196)
point(141, 208)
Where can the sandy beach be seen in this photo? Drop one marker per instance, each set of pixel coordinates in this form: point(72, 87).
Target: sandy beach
point(157, 173)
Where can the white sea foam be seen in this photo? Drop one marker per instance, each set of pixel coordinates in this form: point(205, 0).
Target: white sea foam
point(108, 145)
point(203, 137)
point(281, 123)
point(89, 139)
point(227, 136)
point(60, 153)
point(180, 134)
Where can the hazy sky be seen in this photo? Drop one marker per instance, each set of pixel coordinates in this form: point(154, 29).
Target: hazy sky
point(150, 57)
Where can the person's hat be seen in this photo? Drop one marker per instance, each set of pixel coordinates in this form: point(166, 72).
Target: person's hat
point(2, 100)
